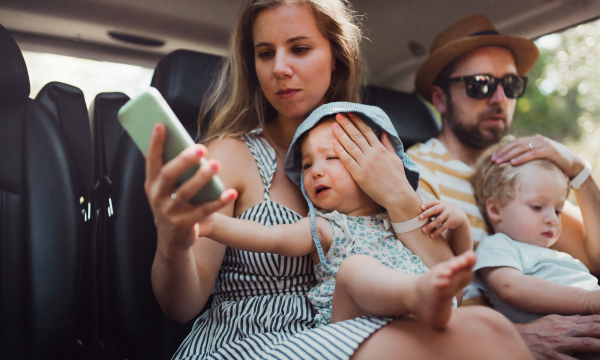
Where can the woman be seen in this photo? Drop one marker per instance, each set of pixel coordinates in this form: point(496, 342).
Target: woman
point(286, 59)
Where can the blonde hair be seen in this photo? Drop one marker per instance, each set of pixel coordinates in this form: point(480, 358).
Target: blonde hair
point(236, 102)
point(502, 182)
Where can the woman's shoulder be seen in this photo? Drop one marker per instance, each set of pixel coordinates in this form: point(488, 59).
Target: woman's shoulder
point(235, 158)
point(234, 143)
point(227, 148)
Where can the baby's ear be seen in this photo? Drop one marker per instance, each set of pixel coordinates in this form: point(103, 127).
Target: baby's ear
point(493, 211)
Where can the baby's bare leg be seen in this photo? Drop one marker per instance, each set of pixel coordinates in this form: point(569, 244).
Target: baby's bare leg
point(364, 286)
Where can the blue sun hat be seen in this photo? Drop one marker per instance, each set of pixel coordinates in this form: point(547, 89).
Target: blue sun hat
point(373, 116)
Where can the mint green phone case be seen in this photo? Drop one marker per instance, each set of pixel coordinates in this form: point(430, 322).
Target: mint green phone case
point(138, 116)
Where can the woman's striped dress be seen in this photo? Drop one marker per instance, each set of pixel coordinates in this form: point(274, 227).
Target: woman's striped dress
point(260, 309)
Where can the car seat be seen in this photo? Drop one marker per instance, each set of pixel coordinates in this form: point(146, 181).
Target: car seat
point(183, 77)
point(134, 326)
point(41, 251)
point(412, 119)
point(67, 104)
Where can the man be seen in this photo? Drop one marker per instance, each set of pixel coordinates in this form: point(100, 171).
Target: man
point(473, 76)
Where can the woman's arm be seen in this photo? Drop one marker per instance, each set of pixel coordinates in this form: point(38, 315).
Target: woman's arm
point(580, 234)
point(287, 240)
point(379, 172)
point(451, 220)
point(185, 267)
point(460, 239)
point(529, 293)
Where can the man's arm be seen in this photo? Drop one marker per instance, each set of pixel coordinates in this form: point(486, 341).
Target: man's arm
point(580, 234)
point(287, 240)
point(555, 337)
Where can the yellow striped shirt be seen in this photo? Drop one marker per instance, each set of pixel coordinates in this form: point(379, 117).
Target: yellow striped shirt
point(445, 178)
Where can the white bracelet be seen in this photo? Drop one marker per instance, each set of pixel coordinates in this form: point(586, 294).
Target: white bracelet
point(405, 226)
point(580, 178)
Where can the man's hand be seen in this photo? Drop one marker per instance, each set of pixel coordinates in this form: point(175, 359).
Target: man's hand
point(519, 151)
point(558, 337)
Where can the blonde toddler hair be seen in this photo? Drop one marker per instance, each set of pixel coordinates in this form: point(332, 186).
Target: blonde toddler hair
point(502, 182)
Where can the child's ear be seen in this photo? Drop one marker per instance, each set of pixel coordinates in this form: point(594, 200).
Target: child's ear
point(493, 211)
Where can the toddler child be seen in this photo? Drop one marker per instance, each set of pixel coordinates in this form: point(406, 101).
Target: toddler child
point(352, 228)
point(519, 274)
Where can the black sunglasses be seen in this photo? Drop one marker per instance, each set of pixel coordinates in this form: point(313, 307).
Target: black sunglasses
point(484, 86)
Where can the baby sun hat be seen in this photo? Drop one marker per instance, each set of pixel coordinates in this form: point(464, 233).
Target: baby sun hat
point(373, 116)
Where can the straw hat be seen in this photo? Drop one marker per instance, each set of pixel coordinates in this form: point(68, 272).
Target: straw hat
point(468, 34)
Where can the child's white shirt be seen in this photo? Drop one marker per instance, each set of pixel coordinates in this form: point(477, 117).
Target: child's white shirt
point(558, 267)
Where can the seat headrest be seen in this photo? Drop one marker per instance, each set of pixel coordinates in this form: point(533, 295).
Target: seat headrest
point(182, 77)
point(410, 116)
point(14, 79)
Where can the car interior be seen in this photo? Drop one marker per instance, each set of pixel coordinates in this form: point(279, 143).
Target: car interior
point(77, 236)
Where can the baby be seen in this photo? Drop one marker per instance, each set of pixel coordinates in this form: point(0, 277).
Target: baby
point(520, 276)
point(387, 279)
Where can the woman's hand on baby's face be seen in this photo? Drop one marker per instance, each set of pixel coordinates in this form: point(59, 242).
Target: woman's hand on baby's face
point(373, 164)
point(447, 217)
point(174, 216)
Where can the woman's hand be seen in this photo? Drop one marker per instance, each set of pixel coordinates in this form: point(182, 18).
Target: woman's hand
point(519, 151)
point(375, 166)
point(174, 217)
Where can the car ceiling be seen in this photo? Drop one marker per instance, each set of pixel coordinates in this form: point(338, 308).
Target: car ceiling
point(398, 32)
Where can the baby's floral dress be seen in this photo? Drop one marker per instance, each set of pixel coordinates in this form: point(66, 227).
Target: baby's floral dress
point(358, 235)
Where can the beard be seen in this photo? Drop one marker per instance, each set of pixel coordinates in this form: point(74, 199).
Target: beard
point(473, 135)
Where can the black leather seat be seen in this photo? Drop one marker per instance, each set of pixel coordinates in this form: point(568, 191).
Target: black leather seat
point(183, 78)
point(40, 224)
point(67, 104)
point(134, 326)
point(411, 118)
point(131, 319)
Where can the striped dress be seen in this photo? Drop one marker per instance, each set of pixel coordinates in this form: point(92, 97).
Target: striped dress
point(260, 309)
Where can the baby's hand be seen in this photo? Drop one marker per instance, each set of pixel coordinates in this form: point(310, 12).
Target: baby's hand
point(447, 217)
point(204, 228)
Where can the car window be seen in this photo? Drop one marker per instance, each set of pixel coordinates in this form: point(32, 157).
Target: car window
point(562, 100)
point(91, 76)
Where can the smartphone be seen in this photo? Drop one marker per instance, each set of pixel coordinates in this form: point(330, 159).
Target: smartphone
point(139, 115)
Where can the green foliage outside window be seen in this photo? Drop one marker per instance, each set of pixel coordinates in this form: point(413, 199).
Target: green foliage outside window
point(562, 100)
